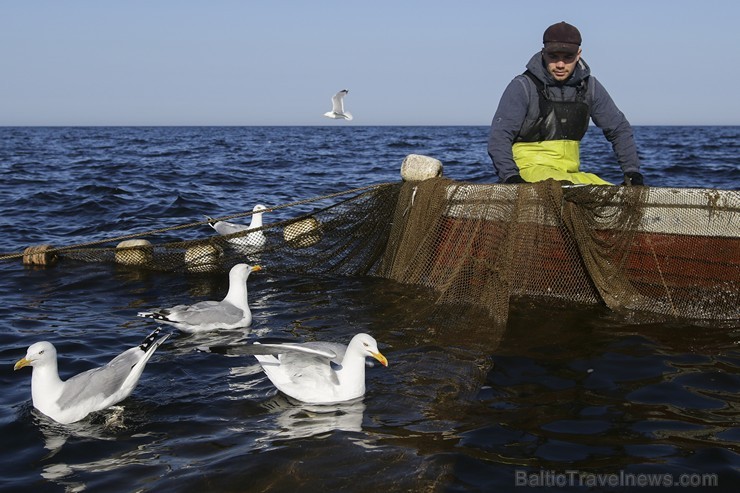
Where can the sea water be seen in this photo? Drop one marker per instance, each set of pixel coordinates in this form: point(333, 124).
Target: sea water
point(567, 396)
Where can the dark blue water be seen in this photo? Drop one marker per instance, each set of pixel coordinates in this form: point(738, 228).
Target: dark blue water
point(567, 397)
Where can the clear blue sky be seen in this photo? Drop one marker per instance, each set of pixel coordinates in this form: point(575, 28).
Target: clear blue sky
point(417, 62)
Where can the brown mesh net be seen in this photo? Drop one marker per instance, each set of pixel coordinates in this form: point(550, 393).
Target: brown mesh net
point(664, 251)
point(672, 252)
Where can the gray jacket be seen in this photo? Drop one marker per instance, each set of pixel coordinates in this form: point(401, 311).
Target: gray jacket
point(519, 108)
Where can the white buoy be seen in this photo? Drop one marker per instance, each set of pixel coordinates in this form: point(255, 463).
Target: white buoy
point(303, 233)
point(134, 252)
point(416, 167)
point(203, 258)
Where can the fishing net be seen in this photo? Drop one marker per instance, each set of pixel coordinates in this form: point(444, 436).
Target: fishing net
point(673, 252)
point(665, 251)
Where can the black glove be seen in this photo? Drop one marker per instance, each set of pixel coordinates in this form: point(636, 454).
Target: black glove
point(633, 179)
point(514, 179)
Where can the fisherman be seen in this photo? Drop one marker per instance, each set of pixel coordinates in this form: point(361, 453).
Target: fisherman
point(544, 113)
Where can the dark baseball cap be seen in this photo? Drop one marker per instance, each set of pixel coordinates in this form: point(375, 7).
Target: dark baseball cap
point(562, 38)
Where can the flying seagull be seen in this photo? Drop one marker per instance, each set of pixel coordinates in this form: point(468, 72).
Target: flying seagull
point(337, 107)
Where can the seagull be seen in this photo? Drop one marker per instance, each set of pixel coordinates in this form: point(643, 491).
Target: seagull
point(249, 243)
point(92, 390)
point(337, 107)
point(318, 372)
point(230, 313)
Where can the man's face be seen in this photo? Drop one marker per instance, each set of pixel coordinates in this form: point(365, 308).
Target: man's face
point(561, 65)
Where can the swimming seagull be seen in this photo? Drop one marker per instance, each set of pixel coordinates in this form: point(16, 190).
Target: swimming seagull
point(337, 107)
point(230, 313)
point(249, 243)
point(318, 372)
point(92, 390)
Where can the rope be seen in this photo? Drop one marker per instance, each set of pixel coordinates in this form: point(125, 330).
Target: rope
point(10, 256)
point(662, 279)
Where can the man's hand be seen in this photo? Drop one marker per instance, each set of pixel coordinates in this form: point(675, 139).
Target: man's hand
point(514, 179)
point(633, 179)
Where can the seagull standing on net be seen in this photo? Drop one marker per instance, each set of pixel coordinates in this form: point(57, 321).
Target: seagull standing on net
point(337, 107)
point(249, 243)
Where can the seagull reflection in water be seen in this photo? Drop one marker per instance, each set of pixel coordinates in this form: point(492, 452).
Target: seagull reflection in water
point(294, 419)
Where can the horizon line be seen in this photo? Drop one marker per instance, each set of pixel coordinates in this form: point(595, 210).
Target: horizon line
point(329, 125)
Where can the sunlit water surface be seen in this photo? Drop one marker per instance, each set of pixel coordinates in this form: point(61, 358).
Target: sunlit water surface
point(461, 407)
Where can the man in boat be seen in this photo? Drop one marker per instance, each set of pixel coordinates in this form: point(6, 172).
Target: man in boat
point(544, 113)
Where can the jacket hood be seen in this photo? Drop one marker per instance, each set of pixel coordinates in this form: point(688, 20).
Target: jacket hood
point(536, 65)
